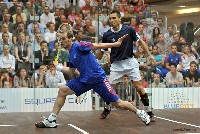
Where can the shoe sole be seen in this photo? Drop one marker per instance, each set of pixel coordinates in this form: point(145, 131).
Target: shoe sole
point(36, 125)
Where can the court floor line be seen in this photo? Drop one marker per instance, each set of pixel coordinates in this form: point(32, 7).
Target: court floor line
point(79, 129)
point(187, 124)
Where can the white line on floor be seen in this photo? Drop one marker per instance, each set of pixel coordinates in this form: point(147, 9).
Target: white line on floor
point(8, 125)
point(178, 122)
point(79, 129)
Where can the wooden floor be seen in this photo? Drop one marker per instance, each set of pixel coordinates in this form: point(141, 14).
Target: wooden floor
point(118, 122)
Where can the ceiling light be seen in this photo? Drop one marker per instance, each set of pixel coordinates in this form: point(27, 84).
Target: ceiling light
point(188, 10)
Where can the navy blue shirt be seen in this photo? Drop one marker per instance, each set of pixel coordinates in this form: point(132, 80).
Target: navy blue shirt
point(81, 57)
point(125, 50)
point(170, 58)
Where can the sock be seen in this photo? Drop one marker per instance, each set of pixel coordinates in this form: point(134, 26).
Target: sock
point(145, 101)
point(52, 117)
point(107, 105)
point(138, 111)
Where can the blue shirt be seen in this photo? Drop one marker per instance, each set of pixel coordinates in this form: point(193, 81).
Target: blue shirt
point(81, 57)
point(125, 50)
point(170, 58)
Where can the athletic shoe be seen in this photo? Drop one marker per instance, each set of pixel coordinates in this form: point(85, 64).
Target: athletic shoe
point(145, 117)
point(153, 119)
point(105, 113)
point(46, 124)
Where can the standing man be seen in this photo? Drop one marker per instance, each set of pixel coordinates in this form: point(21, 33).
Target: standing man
point(122, 60)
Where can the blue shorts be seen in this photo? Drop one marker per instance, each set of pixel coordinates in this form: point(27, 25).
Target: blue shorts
point(104, 89)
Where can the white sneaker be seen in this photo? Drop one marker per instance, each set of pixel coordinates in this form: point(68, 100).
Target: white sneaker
point(46, 124)
point(144, 116)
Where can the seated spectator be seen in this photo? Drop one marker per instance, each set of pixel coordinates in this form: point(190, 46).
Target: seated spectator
point(192, 76)
point(6, 84)
point(21, 79)
point(144, 83)
point(54, 78)
point(4, 77)
point(42, 56)
point(20, 29)
point(51, 35)
point(159, 62)
point(173, 77)
point(38, 78)
point(7, 61)
point(187, 57)
point(169, 35)
point(6, 42)
point(173, 57)
point(163, 46)
point(62, 56)
point(5, 30)
point(141, 56)
point(19, 13)
point(47, 17)
point(156, 82)
point(22, 52)
point(155, 36)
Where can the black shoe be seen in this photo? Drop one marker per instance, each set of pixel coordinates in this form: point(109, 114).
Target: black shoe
point(150, 113)
point(46, 124)
point(105, 113)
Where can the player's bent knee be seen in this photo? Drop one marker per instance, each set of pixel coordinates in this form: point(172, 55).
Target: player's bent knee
point(64, 91)
point(119, 104)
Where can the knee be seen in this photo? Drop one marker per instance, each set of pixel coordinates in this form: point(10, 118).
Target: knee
point(119, 104)
point(62, 92)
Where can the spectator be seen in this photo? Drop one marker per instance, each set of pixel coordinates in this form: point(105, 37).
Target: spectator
point(6, 42)
point(155, 36)
point(144, 83)
point(51, 35)
point(173, 57)
point(163, 46)
point(192, 76)
point(21, 79)
point(22, 52)
point(173, 77)
point(6, 19)
point(187, 57)
point(38, 78)
point(20, 29)
point(159, 62)
point(7, 61)
point(5, 30)
point(169, 35)
point(47, 17)
point(61, 55)
point(4, 78)
point(42, 56)
point(156, 82)
point(161, 27)
point(19, 13)
point(54, 78)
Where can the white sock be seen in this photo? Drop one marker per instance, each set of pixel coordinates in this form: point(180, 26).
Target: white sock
point(52, 117)
point(138, 111)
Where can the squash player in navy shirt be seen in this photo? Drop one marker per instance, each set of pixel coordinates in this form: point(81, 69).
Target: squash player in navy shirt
point(122, 59)
point(92, 76)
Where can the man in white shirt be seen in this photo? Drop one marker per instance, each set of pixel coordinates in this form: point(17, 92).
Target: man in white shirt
point(47, 17)
point(51, 35)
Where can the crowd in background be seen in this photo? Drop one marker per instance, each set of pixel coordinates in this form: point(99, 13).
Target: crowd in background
point(29, 42)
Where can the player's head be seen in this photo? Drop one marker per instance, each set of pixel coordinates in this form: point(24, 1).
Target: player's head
point(115, 18)
point(68, 40)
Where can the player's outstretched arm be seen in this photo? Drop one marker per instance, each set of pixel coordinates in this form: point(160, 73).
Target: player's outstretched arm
point(96, 46)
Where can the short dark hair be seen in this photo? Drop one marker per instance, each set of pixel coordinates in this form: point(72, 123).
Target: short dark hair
point(117, 12)
point(42, 42)
point(172, 64)
point(193, 62)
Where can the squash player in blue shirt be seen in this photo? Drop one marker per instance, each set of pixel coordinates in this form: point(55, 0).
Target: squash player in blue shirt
point(92, 76)
point(122, 59)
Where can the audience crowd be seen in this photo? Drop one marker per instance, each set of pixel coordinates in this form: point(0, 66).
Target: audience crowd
point(30, 32)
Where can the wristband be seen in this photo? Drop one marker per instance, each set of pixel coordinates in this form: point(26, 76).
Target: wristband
point(59, 67)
